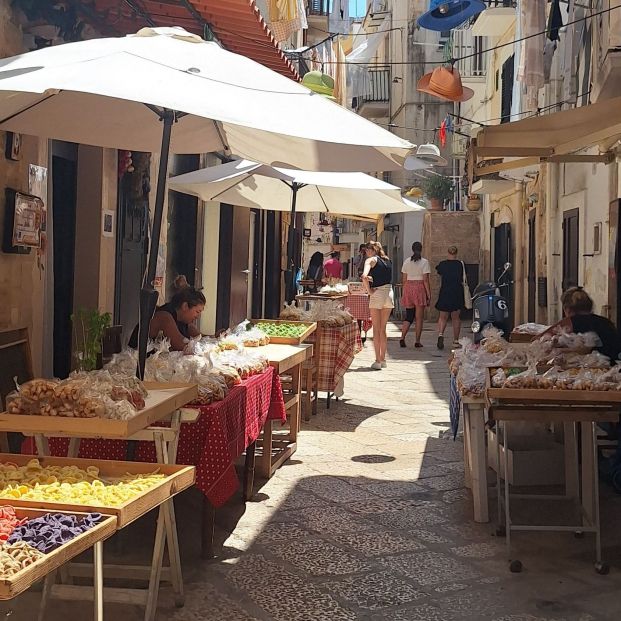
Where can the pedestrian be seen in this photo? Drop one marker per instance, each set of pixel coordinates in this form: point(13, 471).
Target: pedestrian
point(359, 260)
point(333, 268)
point(451, 297)
point(315, 268)
point(377, 279)
point(416, 292)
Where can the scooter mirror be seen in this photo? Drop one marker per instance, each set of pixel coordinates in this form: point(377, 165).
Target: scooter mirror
point(507, 266)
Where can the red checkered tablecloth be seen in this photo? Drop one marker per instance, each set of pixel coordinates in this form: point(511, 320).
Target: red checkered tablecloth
point(337, 349)
point(358, 306)
point(213, 443)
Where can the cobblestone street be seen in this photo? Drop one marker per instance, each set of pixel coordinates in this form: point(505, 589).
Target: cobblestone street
point(371, 521)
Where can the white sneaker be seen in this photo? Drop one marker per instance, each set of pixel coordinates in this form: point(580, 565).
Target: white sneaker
point(376, 366)
point(383, 363)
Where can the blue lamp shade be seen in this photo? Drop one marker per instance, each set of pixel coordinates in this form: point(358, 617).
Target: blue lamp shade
point(445, 15)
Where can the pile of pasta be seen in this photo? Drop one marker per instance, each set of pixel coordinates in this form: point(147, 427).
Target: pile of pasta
point(25, 541)
point(71, 485)
point(83, 395)
point(330, 313)
point(556, 378)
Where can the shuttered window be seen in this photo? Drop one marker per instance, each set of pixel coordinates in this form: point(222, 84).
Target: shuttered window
point(507, 89)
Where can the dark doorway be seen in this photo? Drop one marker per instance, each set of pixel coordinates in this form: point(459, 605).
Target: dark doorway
point(240, 265)
point(532, 264)
point(503, 253)
point(131, 242)
point(182, 219)
point(571, 240)
point(258, 260)
point(273, 264)
point(64, 183)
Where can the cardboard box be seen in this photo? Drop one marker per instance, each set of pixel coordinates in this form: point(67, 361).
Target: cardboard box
point(532, 460)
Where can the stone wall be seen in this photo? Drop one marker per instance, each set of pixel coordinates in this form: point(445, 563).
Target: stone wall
point(442, 229)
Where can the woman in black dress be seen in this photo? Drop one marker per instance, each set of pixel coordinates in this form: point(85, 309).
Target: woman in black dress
point(451, 297)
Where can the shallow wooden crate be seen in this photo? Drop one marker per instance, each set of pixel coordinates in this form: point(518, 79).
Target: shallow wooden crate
point(176, 480)
point(24, 579)
point(289, 340)
point(163, 399)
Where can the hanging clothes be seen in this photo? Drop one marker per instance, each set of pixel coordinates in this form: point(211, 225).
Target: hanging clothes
point(286, 18)
point(555, 21)
point(283, 10)
point(569, 62)
point(531, 70)
point(338, 21)
point(442, 133)
point(340, 73)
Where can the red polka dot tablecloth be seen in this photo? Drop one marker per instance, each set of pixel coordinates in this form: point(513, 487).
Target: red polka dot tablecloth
point(213, 443)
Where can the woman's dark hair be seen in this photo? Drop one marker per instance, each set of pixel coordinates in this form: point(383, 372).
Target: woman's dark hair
point(417, 249)
point(185, 293)
point(577, 300)
point(316, 260)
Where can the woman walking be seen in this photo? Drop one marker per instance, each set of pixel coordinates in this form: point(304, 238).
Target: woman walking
point(451, 297)
point(416, 292)
point(377, 279)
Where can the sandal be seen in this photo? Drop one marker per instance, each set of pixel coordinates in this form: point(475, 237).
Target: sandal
point(402, 343)
point(418, 344)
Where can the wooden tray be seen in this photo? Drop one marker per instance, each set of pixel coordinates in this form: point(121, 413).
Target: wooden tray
point(163, 399)
point(22, 580)
point(526, 396)
point(289, 340)
point(177, 479)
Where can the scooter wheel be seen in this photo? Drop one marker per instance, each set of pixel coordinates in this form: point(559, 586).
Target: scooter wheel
point(515, 567)
point(603, 569)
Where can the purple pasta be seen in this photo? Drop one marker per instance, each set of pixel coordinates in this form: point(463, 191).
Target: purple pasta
point(52, 530)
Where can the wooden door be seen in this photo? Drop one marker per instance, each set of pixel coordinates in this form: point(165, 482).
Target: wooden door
point(503, 253)
point(239, 265)
point(532, 265)
point(571, 248)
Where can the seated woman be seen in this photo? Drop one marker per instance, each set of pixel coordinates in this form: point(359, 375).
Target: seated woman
point(174, 319)
point(580, 319)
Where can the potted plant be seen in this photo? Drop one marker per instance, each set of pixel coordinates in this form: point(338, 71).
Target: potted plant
point(474, 202)
point(438, 189)
point(89, 326)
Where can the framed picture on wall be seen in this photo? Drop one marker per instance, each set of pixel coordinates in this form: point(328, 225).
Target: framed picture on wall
point(13, 146)
point(23, 221)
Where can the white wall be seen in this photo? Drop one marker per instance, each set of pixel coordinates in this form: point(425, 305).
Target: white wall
point(412, 230)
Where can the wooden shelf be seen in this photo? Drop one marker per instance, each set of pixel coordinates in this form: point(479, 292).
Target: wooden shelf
point(177, 478)
point(163, 400)
point(22, 580)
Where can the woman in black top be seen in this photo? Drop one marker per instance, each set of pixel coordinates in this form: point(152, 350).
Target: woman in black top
point(451, 296)
point(580, 319)
point(315, 268)
point(377, 279)
point(174, 319)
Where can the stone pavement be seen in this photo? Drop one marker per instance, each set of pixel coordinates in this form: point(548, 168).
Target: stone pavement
point(371, 521)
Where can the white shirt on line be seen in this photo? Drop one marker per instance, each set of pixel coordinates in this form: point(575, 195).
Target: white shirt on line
point(416, 270)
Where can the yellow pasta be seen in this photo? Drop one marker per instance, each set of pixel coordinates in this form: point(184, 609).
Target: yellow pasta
point(70, 484)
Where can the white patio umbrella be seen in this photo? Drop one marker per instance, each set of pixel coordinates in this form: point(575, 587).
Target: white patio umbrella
point(128, 92)
point(249, 184)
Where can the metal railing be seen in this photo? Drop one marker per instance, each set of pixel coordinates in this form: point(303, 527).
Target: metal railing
point(377, 85)
point(319, 7)
point(467, 45)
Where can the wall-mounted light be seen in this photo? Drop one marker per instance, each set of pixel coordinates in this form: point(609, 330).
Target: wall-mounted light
point(443, 8)
point(396, 80)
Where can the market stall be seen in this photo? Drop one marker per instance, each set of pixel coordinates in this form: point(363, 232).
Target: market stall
point(358, 305)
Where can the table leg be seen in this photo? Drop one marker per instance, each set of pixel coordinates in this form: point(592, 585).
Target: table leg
point(588, 484)
point(294, 416)
point(98, 571)
point(467, 448)
point(249, 471)
point(156, 566)
point(42, 444)
point(74, 447)
point(572, 476)
point(474, 418)
point(45, 595)
point(207, 530)
point(265, 465)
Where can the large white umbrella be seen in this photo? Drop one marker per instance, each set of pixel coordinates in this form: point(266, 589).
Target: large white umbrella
point(128, 92)
point(249, 184)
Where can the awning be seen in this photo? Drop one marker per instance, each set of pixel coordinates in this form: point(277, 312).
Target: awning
point(550, 138)
point(238, 24)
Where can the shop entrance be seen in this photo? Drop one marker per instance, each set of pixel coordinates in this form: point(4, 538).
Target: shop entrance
point(503, 253)
point(64, 192)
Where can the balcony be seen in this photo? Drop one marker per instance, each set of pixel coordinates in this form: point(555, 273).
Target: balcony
point(466, 45)
point(495, 20)
point(374, 103)
point(317, 14)
point(607, 55)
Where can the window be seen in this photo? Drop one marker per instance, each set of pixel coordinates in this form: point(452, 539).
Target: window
point(507, 89)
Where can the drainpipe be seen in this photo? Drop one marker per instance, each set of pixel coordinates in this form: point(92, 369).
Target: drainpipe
point(552, 248)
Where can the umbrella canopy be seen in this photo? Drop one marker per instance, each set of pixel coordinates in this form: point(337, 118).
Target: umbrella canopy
point(258, 186)
point(94, 92)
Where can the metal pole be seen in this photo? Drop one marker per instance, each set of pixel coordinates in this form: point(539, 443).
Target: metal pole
point(148, 295)
point(290, 288)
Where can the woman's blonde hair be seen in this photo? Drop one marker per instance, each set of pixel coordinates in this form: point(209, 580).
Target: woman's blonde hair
point(577, 300)
point(378, 248)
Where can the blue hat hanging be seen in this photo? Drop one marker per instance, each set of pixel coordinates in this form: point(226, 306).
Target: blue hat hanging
point(445, 15)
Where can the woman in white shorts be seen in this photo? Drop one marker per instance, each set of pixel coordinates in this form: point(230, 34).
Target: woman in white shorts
point(377, 279)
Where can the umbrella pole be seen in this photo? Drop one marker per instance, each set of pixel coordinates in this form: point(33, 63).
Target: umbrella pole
point(148, 295)
point(290, 285)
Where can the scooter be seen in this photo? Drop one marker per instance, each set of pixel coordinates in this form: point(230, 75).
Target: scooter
point(489, 306)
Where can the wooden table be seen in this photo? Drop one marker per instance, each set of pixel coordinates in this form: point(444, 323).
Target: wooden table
point(162, 403)
point(277, 448)
point(475, 454)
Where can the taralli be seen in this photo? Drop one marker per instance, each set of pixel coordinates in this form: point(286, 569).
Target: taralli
point(38, 389)
point(17, 556)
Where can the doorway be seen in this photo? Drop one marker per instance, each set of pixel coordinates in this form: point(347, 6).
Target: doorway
point(532, 264)
point(64, 195)
point(571, 240)
point(503, 253)
point(239, 265)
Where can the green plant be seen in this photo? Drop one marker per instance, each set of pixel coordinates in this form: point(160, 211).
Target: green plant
point(88, 327)
point(439, 187)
